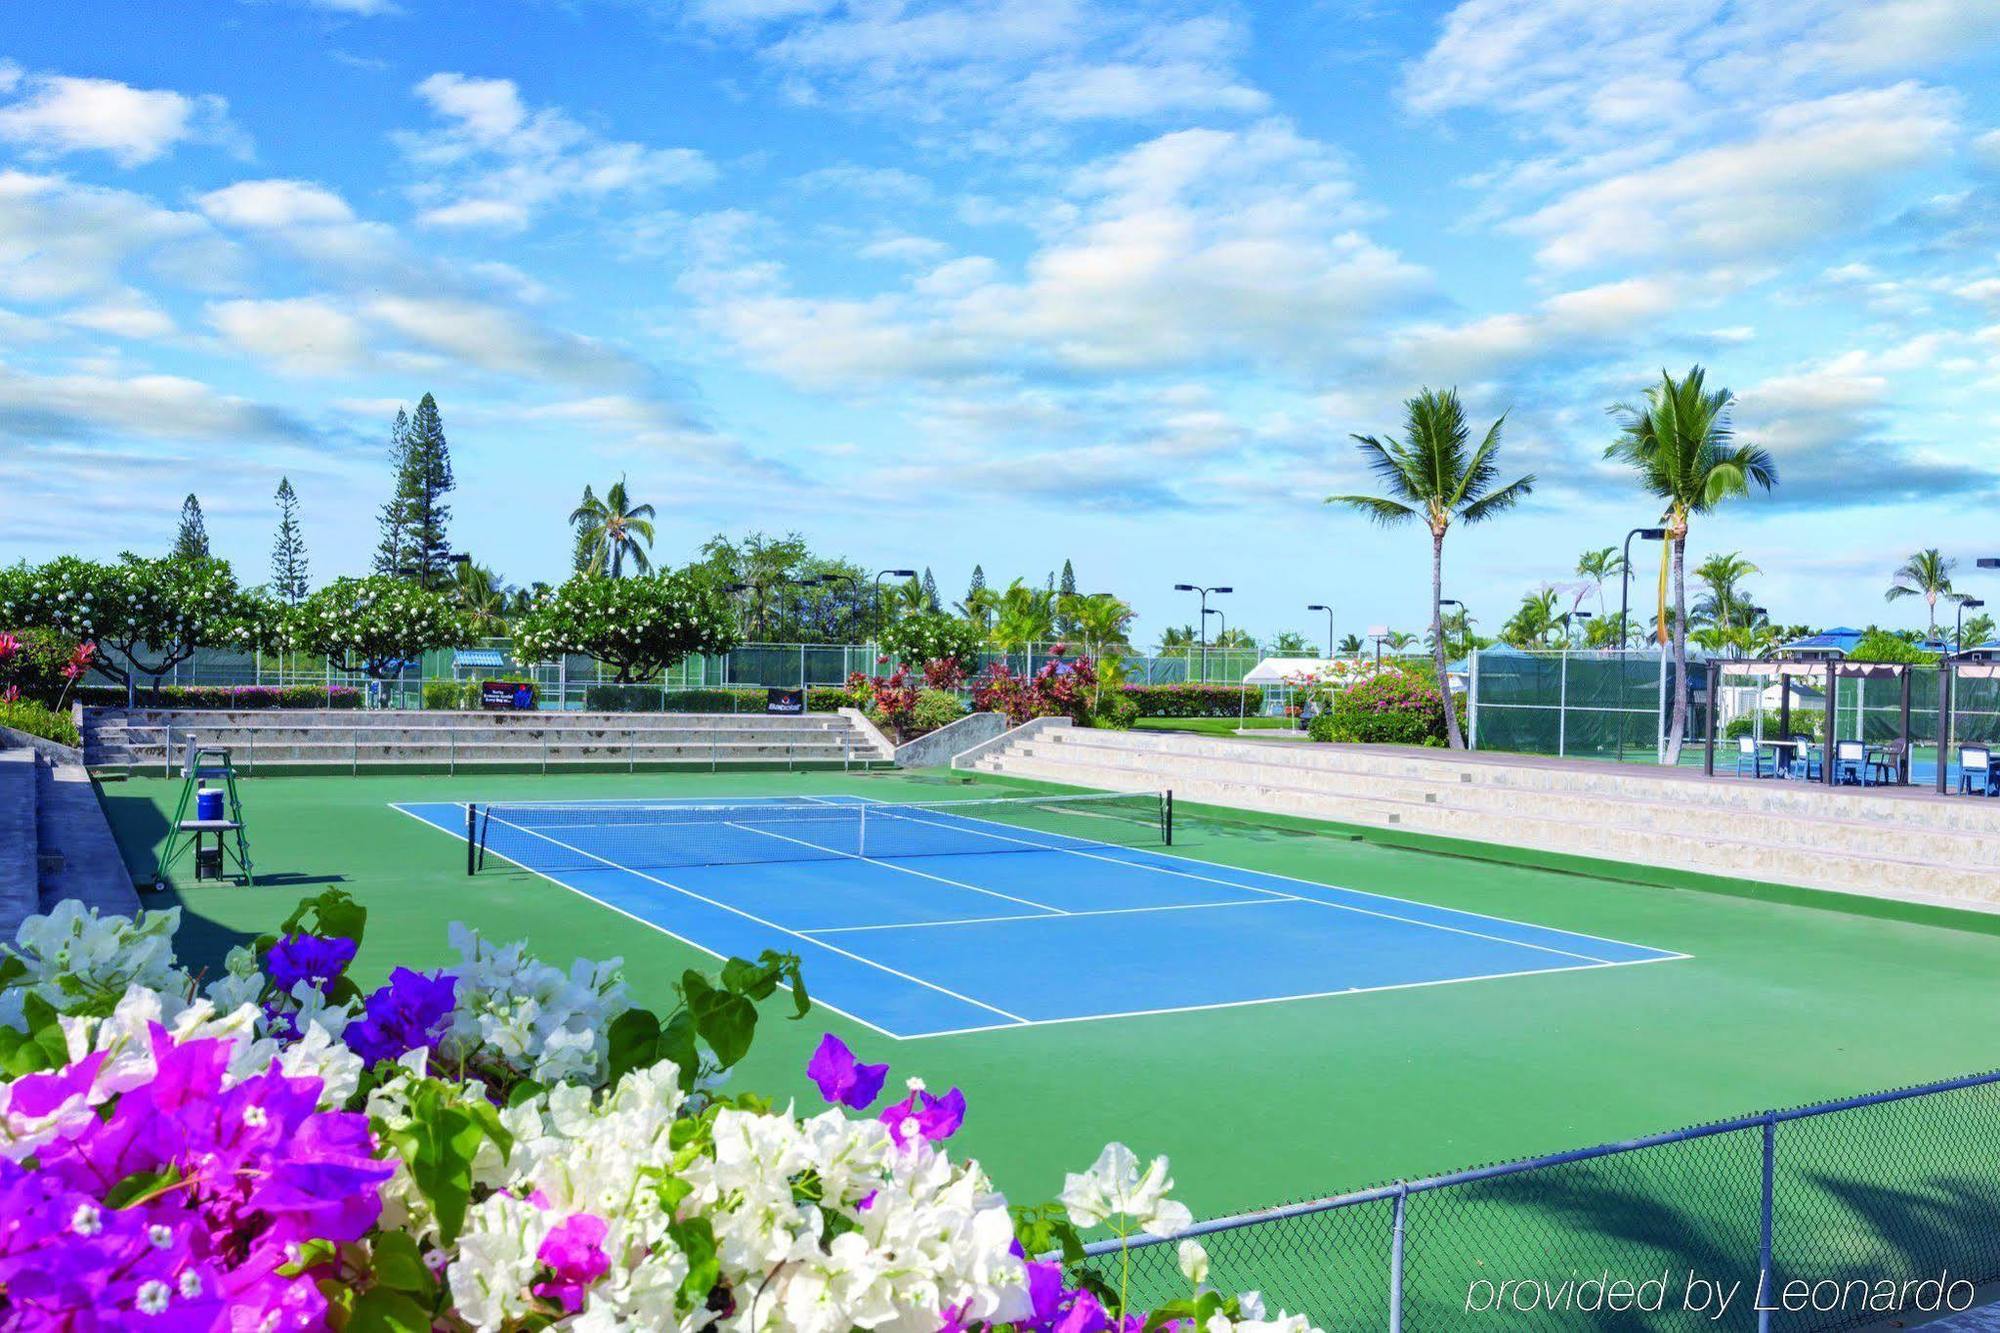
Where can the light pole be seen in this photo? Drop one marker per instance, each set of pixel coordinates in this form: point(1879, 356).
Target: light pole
point(1958, 636)
point(881, 574)
point(1625, 582)
point(1197, 588)
point(1567, 617)
point(1378, 633)
point(1321, 606)
point(1222, 635)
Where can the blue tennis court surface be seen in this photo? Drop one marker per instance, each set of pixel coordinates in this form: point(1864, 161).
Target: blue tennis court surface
point(921, 921)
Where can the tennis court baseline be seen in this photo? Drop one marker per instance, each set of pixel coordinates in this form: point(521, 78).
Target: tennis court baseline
point(929, 919)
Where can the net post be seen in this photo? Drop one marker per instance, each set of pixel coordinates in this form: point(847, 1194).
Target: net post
point(471, 838)
point(1396, 1220)
point(1167, 818)
point(1769, 1210)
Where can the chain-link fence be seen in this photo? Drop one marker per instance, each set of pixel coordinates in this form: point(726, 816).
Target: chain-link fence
point(1837, 1215)
point(1603, 705)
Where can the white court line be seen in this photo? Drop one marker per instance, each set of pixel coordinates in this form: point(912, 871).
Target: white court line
point(1362, 893)
point(1050, 916)
point(1557, 970)
point(1307, 898)
point(771, 925)
point(907, 870)
point(613, 907)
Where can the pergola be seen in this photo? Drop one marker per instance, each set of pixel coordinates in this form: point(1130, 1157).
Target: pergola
point(1831, 670)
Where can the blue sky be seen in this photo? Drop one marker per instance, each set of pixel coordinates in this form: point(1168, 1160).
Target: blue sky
point(1003, 281)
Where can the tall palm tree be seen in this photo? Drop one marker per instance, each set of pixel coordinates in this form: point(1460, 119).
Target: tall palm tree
point(1431, 475)
point(1535, 621)
point(1926, 574)
point(1599, 567)
point(1723, 573)
point(1104, 623)
point(1682, 446)
point(611, 531)
point(1350, 645)
point(482, 595)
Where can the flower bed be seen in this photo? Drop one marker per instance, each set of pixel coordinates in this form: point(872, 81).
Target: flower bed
point(38, 720)
point(1195, 700)
point(1395, 706)
point(498, 1145)
point(240, 697)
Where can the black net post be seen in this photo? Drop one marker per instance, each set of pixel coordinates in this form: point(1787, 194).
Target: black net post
point(471, 838)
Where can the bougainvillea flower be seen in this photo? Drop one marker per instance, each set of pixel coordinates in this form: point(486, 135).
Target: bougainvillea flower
point(313, 959)
point(413, 1010)
point(573, 1252)
point(923, 1115)
point(842, 1079)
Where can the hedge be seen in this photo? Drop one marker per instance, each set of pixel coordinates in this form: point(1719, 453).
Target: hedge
point(226, 696)
point(31, 717)
point(1195, 700)
point(727, 699)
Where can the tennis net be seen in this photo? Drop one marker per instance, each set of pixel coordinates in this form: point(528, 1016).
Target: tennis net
point(645, 836)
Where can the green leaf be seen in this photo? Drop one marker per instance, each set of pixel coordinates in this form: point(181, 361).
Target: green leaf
point(524, 1091)
point(311, 1255)
point(381, 1310)
point(755, 980)
point(633, 1041)
point(676, 1043)
point(140, 1184)
point(696, 1240)
point(399, 1263)
point(438, 1145)
point(726, 1022)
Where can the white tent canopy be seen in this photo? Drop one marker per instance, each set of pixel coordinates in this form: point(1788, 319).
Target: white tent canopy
point(1289, 670)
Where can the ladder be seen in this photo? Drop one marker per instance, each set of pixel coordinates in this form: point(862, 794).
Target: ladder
point(188, 832)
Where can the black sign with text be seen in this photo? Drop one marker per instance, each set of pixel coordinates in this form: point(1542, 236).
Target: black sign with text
point(512, 694)
point(785, 701)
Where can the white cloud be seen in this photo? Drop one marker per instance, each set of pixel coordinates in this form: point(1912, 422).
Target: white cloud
point(82, 407)
point(492, 338)
point(262, 204)
point(1810, 169)
point(494, 163)
point(60, 239)
point(300, 335)
point(125, 314)
point(62, 114)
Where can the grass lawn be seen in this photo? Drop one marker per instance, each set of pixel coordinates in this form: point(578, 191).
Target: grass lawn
point(1778, 1004)
point(1214, 726)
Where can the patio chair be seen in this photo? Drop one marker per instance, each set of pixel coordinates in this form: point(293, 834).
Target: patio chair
point(1807, 762)
point(1850, 761)
point(1887, 765)
point(1748, 752)
point(1975, 769)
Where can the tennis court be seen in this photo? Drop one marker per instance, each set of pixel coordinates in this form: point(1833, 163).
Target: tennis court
point(926, 919)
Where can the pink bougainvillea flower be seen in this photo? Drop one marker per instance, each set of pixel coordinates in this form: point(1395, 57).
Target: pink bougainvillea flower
point(923, 1115)
point(573, 1252)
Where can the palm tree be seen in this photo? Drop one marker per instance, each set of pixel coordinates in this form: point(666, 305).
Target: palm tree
point(1683, 448)
point(1598, 567)
point(1430, 475)
point(1350, 645)
point(610, 532)
point(1724, 604)
point(1978, 630)
point(1025, 616)
point(1535, 621)
point(1927, 574)
point(482, 595)
point(1104, 623)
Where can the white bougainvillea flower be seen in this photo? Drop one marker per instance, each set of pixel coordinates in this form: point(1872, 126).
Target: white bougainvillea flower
point(1114, 1186)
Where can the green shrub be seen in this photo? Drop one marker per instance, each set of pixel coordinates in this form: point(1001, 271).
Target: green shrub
point(1191, 700)
point(1115, 711)
point(237, 697)
point(1805, 721)
point(1400, 706)
point(934, 709)
point(451, 694)
point(830, 699)
point(1320, 727)
point(39, 720)
point(926, 636)
point(1881, 646)
point(32, 661)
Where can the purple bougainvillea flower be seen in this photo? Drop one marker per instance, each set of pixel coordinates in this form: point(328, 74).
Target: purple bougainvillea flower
point(952, 1318)
point(313, 959)
point(1084, 1315)
point(411, 1011)
point(573, 1252)
point(842, 1079)
point(922, 1115)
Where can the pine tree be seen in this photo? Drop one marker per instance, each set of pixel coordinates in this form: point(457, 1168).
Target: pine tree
point(1065, 597)
point(581, 550)
point(977, 586)
point(288, 552)
point(423, 483)
point(192, 541)
point(931, 600)
point(394, 520)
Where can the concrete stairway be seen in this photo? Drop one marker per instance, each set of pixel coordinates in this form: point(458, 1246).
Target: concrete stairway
point(55, 842)
point(153, 739)
point(1893, 844)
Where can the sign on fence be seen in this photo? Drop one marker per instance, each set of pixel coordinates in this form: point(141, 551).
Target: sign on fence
point(511, 694)
point(784, 701)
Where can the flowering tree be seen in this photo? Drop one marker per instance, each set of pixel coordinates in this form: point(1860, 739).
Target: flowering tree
point(374, 624)
point(927, 636)
point(146, 615)
point(640, 626)
point(1060, 687)
point(498, 1145)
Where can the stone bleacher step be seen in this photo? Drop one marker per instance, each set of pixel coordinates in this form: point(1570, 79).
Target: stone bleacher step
point(20, 846)
point(1730, 856)
point(1650, 809)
